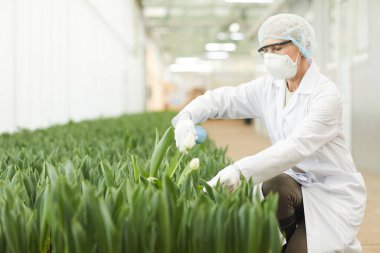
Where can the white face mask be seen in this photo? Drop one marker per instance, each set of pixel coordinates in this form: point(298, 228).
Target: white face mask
point(280, 66)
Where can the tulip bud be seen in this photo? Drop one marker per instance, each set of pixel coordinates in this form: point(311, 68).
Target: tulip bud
point(152, 179)
point(194, 164)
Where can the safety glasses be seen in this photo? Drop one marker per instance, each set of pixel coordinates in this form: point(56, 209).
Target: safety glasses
point(264, 49)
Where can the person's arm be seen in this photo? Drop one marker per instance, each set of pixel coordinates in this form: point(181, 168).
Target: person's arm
point(320, 126)
point(227, 102)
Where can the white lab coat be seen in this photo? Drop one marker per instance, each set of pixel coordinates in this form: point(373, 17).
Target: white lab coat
point(306, 134)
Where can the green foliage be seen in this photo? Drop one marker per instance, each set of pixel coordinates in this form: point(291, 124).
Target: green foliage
point(113, 185)
point(160, 150)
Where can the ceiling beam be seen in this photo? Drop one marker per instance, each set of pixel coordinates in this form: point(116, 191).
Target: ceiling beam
point(206, 21)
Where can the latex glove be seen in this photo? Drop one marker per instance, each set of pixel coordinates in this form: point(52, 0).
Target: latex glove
point(229, 177)
point(184, 134)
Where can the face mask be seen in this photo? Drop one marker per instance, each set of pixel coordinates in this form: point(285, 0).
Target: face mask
point(280, 66)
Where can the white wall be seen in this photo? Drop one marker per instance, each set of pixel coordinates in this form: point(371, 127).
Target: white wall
point(69, 59)
point(366, 96)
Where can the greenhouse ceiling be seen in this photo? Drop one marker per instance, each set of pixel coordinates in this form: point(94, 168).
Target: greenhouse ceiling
point(206, 28)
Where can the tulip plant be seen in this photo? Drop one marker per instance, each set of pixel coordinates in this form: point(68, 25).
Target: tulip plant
point(112, 185)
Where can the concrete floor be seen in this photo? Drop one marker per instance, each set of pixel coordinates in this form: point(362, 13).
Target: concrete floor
point(243, 141)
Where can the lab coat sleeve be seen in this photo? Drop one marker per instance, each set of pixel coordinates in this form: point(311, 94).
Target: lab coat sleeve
point(242, 101)
point(319, 127)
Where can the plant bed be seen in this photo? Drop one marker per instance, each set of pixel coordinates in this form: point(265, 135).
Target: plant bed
point(116, 185)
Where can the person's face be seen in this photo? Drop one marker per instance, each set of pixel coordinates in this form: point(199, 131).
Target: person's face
point(281, 47)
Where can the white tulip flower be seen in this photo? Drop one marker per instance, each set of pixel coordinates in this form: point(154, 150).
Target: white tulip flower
point(194, 164)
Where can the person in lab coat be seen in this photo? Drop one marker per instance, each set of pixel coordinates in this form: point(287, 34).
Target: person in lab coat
point(321, 194)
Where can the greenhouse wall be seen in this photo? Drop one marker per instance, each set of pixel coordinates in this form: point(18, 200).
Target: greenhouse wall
point(69, 60)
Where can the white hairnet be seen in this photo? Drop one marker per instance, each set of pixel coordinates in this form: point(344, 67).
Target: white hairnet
point(289, 27)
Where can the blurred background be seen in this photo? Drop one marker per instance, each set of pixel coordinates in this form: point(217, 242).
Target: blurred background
point(67, 60)
point(63, 60)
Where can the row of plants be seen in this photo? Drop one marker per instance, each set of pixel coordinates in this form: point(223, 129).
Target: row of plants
point(120, 185)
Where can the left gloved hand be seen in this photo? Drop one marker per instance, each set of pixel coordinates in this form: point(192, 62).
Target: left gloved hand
point(229, 177)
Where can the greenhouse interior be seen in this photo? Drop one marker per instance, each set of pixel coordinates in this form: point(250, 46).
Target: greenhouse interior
point(215, 126)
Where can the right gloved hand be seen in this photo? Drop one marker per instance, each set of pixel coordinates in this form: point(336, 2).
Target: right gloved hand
point(229, 177)
point(185, 135)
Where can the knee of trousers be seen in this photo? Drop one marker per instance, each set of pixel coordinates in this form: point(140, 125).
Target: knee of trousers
point(286, 187)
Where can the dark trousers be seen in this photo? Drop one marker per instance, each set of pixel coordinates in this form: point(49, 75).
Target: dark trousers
point(290, 212)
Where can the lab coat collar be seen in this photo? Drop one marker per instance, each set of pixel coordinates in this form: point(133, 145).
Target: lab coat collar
point(279, 82)
point(308, 81)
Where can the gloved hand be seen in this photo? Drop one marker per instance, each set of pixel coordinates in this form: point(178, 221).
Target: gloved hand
point(185, 135)
point(229, 177)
